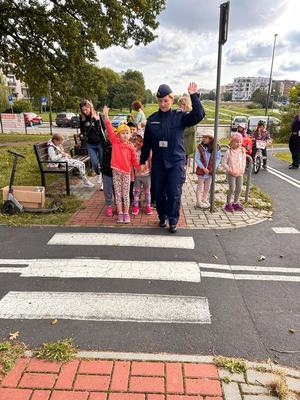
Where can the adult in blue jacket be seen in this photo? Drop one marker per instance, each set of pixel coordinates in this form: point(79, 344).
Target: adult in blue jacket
point(164, 135)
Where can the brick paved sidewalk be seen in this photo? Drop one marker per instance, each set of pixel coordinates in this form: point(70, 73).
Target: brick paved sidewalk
point(191, 217)
point(33, 379)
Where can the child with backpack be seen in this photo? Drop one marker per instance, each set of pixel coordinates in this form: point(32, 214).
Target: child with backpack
point(204, 161)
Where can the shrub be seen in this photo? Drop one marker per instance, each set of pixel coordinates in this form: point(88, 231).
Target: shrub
point(22, 106)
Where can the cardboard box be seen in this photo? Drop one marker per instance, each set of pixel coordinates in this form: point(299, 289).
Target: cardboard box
point(28, 196)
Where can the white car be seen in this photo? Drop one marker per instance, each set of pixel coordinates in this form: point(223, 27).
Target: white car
point(238, 120)
point(253, 121)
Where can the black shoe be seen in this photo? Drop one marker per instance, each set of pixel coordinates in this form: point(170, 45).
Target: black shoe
point(293, 167)
point(173, 228)
point(265, 167)
point(162, 223)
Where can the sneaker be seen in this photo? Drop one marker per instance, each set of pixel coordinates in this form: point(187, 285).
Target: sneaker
point(229, 207)
point(120, 218)
point(293, 167)
point(108, 211)
point(237, 207)
point(173, 228)
point(265, 167)
point(88, 183)
point(148, 210)
point(200, 205)
point(162, 223)
point(126, 218)
point(135, 210)
point(206, 204)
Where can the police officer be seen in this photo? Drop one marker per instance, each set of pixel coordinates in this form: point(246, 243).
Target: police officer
point(294, 142)
point(164, 135)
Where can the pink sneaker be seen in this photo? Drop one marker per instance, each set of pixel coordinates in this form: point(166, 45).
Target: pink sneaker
point(148, 210)
point(135, 210)
point(120, 218)
point(237, 207)
point(229, 208)
point(108, 211)
point(126, 218)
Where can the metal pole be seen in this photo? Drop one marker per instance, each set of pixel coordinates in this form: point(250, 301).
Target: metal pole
point(1, 123)
point(271, 72)
point(249, 172)
point(223, 28)
point(25, 123)
point(50, 107)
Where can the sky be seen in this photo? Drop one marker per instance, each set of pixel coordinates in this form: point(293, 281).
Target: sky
point(187, 44)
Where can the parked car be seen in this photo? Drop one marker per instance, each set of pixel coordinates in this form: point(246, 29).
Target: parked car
point(253, 121)
point(32, 119)
point(238, 120)
point(118, 120)
point(75, 121)
point(64, 119)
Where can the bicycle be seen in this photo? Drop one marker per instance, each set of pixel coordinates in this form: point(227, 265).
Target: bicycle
point(259, 157)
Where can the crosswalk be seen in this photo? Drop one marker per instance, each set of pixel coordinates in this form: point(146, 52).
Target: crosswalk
point(124, 307)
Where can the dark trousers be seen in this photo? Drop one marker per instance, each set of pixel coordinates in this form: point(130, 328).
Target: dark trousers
point(168, 188)
point(294, 145)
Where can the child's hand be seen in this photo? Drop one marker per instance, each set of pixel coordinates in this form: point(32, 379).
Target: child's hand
point(142, 167)
point(105, 112)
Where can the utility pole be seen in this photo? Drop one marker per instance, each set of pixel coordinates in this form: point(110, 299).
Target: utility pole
point(271, 73)
point(223, 32)
point(50, 106)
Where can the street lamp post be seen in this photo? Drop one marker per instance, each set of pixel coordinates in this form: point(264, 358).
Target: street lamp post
point(50, 106)
point(271, 72)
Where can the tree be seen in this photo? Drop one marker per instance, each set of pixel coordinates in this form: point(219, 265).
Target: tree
point(51, 40)
point(124, 93)
point(4, 92)
point(227, 96)
point(287, 117)
point(259, 96)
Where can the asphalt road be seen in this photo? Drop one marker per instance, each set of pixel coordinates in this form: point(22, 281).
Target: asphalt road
point(249, 318)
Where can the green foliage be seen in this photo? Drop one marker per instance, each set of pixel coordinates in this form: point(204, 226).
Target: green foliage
point(62, 350)
point(53, 40)
point(9, 354)
point(232, 365)
point(22, 106)
point(260, 96)
point(4, 92)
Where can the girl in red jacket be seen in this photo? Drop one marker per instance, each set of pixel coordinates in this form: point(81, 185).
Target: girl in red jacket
point(122, 160)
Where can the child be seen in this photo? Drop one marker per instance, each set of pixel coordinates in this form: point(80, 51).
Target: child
point(234, 163)
point(204, 161)
point(122, 160)
point(261, 134)
point(56, 153)
point(142, 179)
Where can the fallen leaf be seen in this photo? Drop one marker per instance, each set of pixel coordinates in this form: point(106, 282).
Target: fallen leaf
point(54, 322)
point(261, 258)
point(281, 256)
point(215, 257)
point(291, 330)
point(13, 336)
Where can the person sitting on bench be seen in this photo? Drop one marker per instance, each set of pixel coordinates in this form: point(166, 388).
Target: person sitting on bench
point(56, 153)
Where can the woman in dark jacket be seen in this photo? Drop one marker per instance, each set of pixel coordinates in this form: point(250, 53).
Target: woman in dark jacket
point(164, 135)
point(91, 129)
point(294, 141)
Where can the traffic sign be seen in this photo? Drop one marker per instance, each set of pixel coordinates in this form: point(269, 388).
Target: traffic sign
point(43, 100)
point(10, 97)
point(284, 102)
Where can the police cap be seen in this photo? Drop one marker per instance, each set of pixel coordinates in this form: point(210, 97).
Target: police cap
point(163, 91)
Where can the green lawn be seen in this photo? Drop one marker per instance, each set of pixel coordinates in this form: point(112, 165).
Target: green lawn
point(285, 156)
point(28, 174)
point(18, 137)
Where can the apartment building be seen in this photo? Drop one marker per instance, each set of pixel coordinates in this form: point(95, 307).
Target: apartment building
point(244, 87)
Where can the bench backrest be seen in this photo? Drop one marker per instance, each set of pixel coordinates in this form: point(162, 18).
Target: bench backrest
point(41, 150)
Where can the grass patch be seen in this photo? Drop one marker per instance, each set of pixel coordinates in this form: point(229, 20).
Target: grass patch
point(279, 388)
point(62, 350)
point(17, 137)
point(259, 199)
point(28, 174)
point(285, 156)
point(9, 354)
point(233, 365)
point(226, 379)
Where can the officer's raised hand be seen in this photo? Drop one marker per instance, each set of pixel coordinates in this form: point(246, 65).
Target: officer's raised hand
point(192, 88)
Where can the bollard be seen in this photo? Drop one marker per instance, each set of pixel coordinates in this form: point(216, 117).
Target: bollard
point(249, 172)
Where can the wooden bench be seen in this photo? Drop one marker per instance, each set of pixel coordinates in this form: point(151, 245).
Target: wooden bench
point(41, 152)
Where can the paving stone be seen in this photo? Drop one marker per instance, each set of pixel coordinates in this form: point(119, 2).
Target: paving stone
point(260, 397)
point(232, 376)
point(293, 384)
point(254, 389)
point(263, 378)
point(231, 391)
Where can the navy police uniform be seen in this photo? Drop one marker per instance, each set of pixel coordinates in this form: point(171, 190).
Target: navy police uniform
point(164, 135)
point(294, 142)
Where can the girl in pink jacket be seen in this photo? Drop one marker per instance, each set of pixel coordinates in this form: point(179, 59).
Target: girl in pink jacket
point(234, 163)
point(122, 160)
